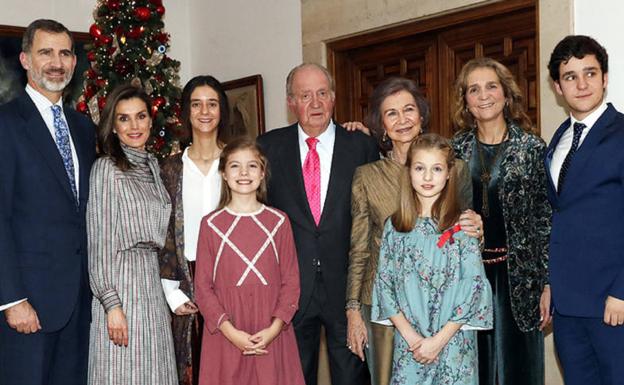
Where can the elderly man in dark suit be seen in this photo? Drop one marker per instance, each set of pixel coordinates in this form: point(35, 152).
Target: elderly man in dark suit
point(585, 163)
point(47, 152)
point(312, 164)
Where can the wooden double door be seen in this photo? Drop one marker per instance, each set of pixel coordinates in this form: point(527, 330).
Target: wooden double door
point(432, 52)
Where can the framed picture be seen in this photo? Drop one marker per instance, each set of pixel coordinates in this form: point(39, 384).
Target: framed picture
point(246, 106)
point(13, 76)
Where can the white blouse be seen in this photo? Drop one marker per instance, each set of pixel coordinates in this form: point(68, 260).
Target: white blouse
point(200, 196)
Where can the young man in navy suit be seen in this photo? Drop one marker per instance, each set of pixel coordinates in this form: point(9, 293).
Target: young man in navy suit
point(47, 152)
point(312, 164)
point(585, 162)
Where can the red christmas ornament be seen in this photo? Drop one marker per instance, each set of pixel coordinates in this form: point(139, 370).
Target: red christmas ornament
point(142, 13)
point(160, 10)
point(113, 4)
point(162, 37)
point(119, 30)
point(91, 73)
point(105, 39)
point(81, 107)
point(100, 82)
point(156, 104)
point(101, 102)
point(135, 32)
point(89, 91)
point(95, 31)
point(159, 101)
point(91, 55)
point(159, 144)
point(177, 110)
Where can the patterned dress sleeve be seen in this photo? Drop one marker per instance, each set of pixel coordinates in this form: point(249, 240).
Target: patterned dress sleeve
point(359, 255)
point(288, 301)
point(209, 305)
point(101, 229)
point(168, 256)
point(385, 302)
point(542, 211)
point(472, 303)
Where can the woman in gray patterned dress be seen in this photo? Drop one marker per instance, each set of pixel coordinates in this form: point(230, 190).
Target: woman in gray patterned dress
point(127, 218)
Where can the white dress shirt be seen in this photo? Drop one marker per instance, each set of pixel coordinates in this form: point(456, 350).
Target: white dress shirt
point(565, 142)
point(325, 149)
point(200, 196)
point(44, 106)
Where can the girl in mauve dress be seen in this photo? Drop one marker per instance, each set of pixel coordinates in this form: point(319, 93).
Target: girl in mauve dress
point(247, 280)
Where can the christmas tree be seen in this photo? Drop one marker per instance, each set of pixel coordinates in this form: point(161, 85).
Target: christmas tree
point(130, 46)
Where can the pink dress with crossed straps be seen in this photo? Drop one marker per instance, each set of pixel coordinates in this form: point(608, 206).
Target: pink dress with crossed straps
point(247, 273)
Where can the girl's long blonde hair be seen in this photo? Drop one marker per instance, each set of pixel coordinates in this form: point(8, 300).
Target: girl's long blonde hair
point(446, 209)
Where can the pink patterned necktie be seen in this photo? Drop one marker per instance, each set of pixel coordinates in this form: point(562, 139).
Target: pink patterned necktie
point(312, 179)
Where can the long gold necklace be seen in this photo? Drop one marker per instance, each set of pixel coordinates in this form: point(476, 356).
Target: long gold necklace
point(486, 173)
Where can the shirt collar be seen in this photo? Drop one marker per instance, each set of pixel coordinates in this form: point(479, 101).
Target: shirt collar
point(185, 157)
point(325, 138)
point(41, 102)
point(590, 119)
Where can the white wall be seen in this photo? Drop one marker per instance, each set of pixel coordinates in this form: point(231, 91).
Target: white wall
point(237, 38)
point(227, 39)
point(74, 14)
point(601, 19)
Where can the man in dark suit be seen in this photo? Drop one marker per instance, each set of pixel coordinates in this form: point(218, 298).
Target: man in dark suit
point(585, 162)
point(47, 152)
point(312, 164)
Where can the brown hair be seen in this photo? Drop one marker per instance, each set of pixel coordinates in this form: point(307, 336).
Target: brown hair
point(446, 209)
point(224, 108)
point(46, 25)
point(385, 89)
point(108, 141)
point(239, 144)
point(514, 106)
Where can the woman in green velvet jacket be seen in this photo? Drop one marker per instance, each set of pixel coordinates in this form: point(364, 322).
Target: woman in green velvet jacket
point(495, 137)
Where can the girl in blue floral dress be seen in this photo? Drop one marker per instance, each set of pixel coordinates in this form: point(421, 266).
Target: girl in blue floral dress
point(431, 282)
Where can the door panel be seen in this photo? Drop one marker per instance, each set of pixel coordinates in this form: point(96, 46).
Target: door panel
point(432, 52)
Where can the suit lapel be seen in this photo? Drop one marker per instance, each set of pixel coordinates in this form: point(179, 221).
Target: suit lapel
point(291, 166)
point(599, 131)
point(550, 150)
point(339, 171)
point(39, 134)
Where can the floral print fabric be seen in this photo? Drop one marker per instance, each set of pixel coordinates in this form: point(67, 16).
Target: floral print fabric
point(431, 286)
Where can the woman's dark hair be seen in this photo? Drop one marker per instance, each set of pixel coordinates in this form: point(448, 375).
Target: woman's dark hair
point(238, 144)
point(387, 88)
point(224, 108)
point(446, 209)
point(577, 46)
point(107, 140)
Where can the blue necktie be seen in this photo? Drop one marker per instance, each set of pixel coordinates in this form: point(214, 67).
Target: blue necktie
point(61, 133)
point(576, 138)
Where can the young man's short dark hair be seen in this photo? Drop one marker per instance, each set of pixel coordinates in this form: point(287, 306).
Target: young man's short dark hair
point(577, 46)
